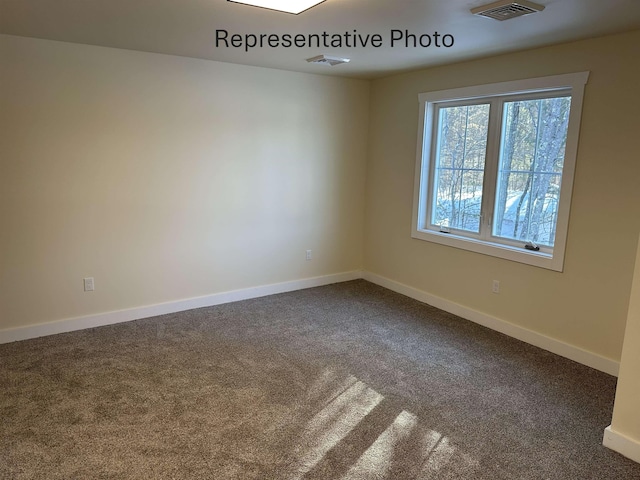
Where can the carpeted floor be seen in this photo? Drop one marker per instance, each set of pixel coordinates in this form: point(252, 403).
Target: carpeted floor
point(347, 381)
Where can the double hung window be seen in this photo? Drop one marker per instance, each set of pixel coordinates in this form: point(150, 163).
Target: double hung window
point(495, 167)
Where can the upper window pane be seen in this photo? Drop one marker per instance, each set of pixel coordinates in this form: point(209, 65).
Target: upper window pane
point(534, 136)
point(459, 166)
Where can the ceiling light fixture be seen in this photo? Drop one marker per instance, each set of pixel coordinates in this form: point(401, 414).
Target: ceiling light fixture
point(288, 6)
point(507, 9)
point(328, 60)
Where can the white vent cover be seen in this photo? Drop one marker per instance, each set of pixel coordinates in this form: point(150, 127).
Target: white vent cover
point(328, 60)
point(507, 9)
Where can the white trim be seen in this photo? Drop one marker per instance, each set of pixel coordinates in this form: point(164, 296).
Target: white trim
point(549, 83)
point(622, 444)
point(553, 345)
point(119, 316)
point(500, 250)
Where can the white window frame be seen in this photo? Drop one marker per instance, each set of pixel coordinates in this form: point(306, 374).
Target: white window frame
point(484, 243)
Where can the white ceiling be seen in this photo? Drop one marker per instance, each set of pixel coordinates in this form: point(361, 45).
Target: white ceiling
point(188, 28)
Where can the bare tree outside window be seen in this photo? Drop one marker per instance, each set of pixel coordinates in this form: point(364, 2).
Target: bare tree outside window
point(462, 147)
point(534, 136)
point(530, 169)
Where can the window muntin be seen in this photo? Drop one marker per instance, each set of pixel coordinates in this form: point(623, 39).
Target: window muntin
point(495, 167)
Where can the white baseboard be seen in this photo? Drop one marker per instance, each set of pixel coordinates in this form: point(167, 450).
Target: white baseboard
point(558, 347)
point(119, 316)
point(622, 444)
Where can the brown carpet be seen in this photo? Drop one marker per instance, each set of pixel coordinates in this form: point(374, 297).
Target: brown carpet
point(348, 381)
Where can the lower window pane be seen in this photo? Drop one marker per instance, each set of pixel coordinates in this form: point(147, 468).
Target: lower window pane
point(529, 216)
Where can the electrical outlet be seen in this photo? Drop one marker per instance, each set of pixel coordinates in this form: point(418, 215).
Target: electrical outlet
point(88, 284)
point(495, 288)
point(308, 256)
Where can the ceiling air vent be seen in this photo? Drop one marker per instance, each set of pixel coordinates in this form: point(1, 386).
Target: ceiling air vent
point(328, 60)
point(507, 9)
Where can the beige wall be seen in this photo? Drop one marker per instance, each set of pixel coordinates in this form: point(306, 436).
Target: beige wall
point(586, 305)
point(167, 178)
point(625, 414)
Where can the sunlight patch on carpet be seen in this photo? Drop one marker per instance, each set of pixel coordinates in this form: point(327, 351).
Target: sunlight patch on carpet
point(329, 426)
point(377, 459)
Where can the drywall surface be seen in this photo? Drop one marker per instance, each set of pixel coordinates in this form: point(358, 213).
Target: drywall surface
point(586, 304)
point(167, 178)
point(626, 420)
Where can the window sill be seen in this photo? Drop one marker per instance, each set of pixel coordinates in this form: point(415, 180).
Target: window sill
point(537, 259)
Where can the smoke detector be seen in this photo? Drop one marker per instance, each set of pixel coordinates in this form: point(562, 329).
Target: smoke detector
point(507, 9)
point(328, 60)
